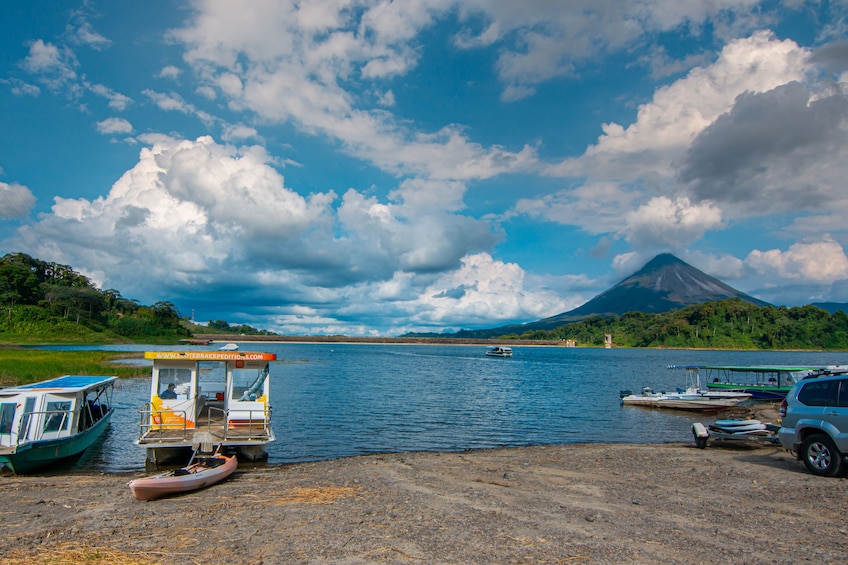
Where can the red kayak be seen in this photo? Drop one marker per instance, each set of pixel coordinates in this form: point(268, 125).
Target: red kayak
point(203, 472)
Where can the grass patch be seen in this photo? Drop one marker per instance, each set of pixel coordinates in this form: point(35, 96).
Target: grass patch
point(24, 366)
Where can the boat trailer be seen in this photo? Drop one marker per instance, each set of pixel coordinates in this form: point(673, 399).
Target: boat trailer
point(735, 430)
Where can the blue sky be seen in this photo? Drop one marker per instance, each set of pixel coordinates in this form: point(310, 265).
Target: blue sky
point(367, 167)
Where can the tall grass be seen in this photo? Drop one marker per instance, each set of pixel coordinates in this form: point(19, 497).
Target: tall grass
point(24, 366)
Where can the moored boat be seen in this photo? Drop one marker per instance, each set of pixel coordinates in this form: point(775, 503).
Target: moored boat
point(693, 397)
point(763, 382)
point(499, 351)
point(46, 422)
point(201, 398)
point(202, 472)
point(697, 401)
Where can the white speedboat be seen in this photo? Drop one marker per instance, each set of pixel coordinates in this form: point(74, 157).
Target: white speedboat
point(693, 397)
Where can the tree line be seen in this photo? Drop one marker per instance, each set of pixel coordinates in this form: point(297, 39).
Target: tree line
point(723, 324)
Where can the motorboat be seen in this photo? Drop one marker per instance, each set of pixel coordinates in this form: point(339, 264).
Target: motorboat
point(45, 422)
point(499, 351)
point(201, 472)
point(693, 397)
point(204, 398)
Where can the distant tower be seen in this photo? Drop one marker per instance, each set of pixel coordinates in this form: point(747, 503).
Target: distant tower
point(607, 341)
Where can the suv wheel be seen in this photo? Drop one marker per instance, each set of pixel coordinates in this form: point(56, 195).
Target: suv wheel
point(820, 456)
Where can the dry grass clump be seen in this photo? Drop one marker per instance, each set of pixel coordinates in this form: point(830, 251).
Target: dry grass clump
point(72, 553)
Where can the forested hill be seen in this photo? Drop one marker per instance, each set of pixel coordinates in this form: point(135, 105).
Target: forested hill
point(724, 324)
point(47, 301)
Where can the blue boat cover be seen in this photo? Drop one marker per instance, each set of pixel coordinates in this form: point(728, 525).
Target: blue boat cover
point(68, 381)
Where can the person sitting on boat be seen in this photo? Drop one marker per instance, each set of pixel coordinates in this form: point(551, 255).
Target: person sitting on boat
point(169, 393)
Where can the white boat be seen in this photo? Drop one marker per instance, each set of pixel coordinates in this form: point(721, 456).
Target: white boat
point(693, 397)
point(217, 398)
point(499, 351)
point(229, 347)
point(203, 472)
point(45, 422)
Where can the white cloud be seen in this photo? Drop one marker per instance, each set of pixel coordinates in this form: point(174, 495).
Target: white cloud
point(16, 200)
point(233, 132)
point(263, 62)
point(820, 262)
point(111, 126)
point(170, 71)
point(662, 222)
point(51, 65)
point(659, 173)
point(482, 290)
point(540, 40)
point(196, 212)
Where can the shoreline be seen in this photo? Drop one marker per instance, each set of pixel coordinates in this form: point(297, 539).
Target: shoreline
point(586, 503)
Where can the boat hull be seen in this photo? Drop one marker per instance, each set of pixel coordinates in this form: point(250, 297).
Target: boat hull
point(171, 483)
point(681, 402)
point(36, 455)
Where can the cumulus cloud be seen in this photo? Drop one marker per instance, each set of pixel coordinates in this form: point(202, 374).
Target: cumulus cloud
point(775, 151)
point(820, 262)
point(199, 213)
point(735, 138)
point(663, 222)
point(482, 290)
point(16, 201)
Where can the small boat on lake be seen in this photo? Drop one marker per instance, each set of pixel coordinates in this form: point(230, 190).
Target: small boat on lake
point(499, 351)
point(693, 397)
point(204, 398)
point(202, 472)
point(46, 422)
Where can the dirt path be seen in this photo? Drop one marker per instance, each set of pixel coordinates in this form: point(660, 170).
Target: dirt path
point(589, 503)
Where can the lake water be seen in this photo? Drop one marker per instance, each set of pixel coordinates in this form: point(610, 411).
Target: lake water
point(339, 400)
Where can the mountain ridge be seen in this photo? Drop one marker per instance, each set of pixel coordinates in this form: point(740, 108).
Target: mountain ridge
point(663, 284)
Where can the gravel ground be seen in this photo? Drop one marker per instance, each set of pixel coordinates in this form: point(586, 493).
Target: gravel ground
point(733, 502)
point(586, 503)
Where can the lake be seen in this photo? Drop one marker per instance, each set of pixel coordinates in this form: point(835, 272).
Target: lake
point(340, 400)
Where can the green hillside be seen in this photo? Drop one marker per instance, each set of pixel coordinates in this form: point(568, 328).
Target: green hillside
point(724, 324)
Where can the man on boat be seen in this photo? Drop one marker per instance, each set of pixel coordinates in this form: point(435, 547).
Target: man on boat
point(169, 393)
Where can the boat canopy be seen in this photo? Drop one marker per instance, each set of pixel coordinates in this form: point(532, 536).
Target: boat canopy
point(67, 384)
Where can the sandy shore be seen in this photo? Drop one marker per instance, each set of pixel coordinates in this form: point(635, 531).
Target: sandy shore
point(588, 503)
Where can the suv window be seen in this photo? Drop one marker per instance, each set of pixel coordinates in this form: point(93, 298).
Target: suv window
point(819, 393)
point(843, 394)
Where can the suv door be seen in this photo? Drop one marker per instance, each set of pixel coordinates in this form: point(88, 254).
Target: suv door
point(837, 414)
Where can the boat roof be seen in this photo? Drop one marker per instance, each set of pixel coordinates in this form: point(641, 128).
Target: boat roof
point(210, 356)
point(67, 383)
point(754, 368)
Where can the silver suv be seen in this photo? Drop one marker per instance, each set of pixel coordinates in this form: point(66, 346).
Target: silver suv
point(814, 423)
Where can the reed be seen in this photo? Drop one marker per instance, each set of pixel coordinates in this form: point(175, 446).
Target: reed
point(24, 366)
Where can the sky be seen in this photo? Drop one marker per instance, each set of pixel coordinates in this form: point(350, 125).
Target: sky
point(374, 167)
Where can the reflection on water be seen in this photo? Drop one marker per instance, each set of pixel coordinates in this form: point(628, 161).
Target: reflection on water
point(336, 400)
